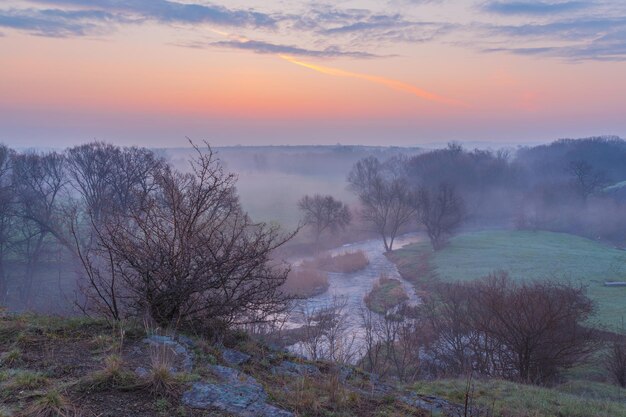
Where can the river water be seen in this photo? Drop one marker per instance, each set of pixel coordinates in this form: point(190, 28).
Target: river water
point(351, 288)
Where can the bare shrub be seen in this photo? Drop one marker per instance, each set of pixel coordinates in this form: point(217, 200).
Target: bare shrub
point(394, 342)
point(183, 251)
point(615, 362)
point(527, 331)
point(328, 333)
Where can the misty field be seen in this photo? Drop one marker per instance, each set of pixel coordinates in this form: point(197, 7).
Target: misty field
point(532, 255)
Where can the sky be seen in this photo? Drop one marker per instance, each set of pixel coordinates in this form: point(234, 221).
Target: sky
point(384, 72)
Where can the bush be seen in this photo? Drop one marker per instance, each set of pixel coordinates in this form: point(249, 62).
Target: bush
point(386, 294)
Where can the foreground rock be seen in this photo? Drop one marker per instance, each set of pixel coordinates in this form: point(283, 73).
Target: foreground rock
point(287, 368)
point(235, 393)
point(437, 406)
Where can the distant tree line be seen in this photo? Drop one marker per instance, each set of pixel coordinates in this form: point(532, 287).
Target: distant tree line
point(574, 186)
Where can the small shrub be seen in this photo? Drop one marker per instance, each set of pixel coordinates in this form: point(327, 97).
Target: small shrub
point(11, 358)
point(26, 381)
point(112, 376)
point(52, 404)
point(161, 380)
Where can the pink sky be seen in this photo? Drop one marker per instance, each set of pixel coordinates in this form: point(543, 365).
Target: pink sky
point(401, 72)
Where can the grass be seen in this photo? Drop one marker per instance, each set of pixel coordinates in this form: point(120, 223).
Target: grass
point(305, 282)
point(508, 399)
point(386, 294)
point(531, 255)
point(347, 262)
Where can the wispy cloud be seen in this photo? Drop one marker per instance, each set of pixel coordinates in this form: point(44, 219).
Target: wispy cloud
point(525, 7)
point(166, 11)
point(387, 82)
point(261, 47)
point(55, 22)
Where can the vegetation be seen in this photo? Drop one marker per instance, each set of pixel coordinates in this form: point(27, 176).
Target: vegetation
point(386, 294)
point(386, 197)
point(77, 383)
point(324, 213)
point(528, 256)
point(305, 282)
point(529, 331)
point(346, 263)
point(503, 398)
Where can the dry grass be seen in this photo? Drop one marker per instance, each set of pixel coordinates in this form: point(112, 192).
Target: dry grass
point(347, 263)
point(113, 375)
point(386, 294)
point(161, 380)
point(305, 282)
point(52, 404)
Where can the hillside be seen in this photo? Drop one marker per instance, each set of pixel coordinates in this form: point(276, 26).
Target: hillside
point(57, 367)
point(530, 255)
point(81, 367)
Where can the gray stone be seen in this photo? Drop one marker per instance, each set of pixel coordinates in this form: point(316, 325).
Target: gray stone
point(436, 405)
point(180, 350)
point(235, 393)
point(141, 372)
point(345, 373)
point(235, 357)
point(287, 368)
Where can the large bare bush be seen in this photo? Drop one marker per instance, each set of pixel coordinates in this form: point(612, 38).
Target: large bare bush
point(184, 251)
point(529, 331)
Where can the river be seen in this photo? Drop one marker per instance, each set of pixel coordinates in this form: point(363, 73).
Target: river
point(351, 288)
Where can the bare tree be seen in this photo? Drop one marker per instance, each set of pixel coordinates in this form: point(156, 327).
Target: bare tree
point(586, 179)
point(388, 201)
point(6, 216)
point(185, 251)
point(323, 213)
point(39, 181)
point(393, 342)
point(327, 332)
point(441, 211)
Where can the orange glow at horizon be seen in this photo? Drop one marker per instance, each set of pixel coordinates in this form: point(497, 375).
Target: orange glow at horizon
point(393, 84)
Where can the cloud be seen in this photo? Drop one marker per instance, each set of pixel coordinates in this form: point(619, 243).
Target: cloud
point(261, 47)
point(525, 7)
point(55, 22)
point(166, 11)
point(609, 47)
point(387, 82)
point(363, 27)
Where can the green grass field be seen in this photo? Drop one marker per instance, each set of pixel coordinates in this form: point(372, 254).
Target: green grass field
point(502, 398)
point(532, 255)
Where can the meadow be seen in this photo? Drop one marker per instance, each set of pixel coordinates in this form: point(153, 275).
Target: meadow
point(531, 256)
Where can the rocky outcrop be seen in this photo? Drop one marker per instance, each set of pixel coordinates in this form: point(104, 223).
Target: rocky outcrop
point(234, 357)
point(287, 368)
point(234, 392)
